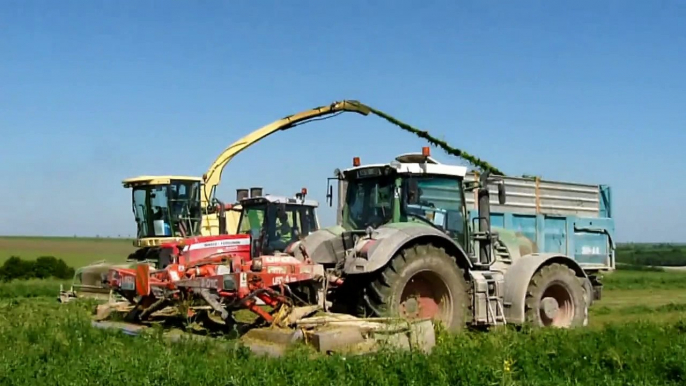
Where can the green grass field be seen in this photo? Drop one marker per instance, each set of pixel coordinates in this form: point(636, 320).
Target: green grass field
point(75, 252)
point(636, 336)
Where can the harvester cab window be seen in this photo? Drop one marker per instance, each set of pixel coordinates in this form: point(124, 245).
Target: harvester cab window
point(184, 206)
point(160, 211)
point(439, 200)
point(140, 210)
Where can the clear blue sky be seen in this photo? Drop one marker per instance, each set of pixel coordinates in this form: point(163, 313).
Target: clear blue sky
point(92, 92)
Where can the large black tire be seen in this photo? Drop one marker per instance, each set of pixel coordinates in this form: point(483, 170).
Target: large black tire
point(556, 298)
point(429, 271)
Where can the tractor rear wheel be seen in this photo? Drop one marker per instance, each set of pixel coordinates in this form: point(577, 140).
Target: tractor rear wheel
point(556, 298)
point(420, 282)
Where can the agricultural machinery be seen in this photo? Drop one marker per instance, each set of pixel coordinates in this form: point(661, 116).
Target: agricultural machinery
point(415, 239)
point(168, 209)
point(171, 208)
point(271, 222)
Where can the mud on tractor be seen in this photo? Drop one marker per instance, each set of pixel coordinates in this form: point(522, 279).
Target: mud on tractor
point(407, 245)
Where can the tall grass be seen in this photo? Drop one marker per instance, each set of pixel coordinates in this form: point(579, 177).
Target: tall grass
point(47, 343)
point(652, 254)
point(32, 288)
point(644, 279)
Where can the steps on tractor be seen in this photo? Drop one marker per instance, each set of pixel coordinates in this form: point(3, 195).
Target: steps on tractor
point(488, 308)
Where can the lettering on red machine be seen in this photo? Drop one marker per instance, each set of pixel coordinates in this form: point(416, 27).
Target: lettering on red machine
point(209, 282)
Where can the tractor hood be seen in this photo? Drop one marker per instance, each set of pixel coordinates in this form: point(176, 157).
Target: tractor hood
point(324, 246)
point(328, 246)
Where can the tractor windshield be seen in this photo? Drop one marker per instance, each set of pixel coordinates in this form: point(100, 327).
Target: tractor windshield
point(171, 210)
point(369, 202)
point(278, 222)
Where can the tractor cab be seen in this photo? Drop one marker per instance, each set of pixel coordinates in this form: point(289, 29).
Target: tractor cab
point(166, 208)
point(275, 222)
point(413, 188)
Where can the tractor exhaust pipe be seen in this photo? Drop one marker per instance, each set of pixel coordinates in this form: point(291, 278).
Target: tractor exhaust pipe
point(241, 194)
point(255, 192)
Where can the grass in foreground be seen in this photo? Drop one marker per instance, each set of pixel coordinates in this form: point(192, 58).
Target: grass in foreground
point(55, 344)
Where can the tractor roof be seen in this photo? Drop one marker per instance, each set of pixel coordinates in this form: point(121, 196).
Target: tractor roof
point(268, 198)
point(157, 180)
point(416, 163)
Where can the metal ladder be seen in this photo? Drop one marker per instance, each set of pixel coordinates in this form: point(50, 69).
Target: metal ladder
point(497, 316)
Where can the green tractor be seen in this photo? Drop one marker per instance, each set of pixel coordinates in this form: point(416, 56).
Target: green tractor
point(409, 243)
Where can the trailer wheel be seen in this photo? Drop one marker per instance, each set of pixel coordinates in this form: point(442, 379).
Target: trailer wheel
point(420, 282)
point(556, 298)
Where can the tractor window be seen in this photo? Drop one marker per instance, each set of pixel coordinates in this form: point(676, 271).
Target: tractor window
point(251, 220)
point(279, 226)
point(308, 221)
point(439, 201)
point(369, 202)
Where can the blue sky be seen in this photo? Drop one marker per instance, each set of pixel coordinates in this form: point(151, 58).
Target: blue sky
point(92, 92)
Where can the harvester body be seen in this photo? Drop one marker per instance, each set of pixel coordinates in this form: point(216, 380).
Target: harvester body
point(265, 223)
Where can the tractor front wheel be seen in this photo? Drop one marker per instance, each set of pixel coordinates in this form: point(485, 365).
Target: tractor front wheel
point(420, 282)
point(556, 298)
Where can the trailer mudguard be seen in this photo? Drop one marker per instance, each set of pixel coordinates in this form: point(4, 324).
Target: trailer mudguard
point(518, 277)
point(374, 253)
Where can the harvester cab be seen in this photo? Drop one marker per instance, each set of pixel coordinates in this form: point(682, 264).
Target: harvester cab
point(275, 223)
point(167, 211)
point(165, 208)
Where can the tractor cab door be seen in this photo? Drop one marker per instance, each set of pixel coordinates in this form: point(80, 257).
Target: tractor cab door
point(437, 200)
point(342, 189)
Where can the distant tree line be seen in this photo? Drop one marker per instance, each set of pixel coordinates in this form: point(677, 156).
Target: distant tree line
point(43, 267)
point(654, 255)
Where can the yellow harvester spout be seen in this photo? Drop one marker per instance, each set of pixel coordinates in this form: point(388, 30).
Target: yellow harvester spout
point(213, 176)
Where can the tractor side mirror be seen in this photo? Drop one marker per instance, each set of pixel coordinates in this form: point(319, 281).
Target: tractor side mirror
point(412, 191)
point(329, 195)
point(501, 193)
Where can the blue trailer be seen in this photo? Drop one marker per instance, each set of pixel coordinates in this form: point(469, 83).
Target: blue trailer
point(558, 217)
